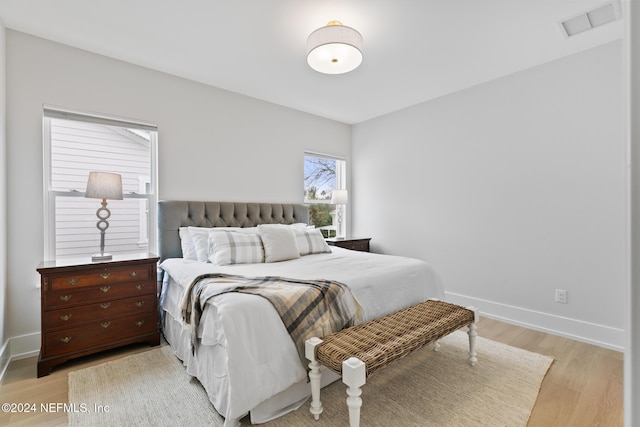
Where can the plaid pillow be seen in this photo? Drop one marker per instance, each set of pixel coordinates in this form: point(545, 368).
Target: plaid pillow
point(310, 241)
point(233, 247)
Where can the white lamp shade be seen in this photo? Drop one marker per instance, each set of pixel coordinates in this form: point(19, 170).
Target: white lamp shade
point(339, 197)
point(104, 185)
point(334, 49)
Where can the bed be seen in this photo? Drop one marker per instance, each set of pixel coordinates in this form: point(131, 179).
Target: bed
point(245, 358)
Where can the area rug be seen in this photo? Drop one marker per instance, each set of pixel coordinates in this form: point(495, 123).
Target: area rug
point(426, 388)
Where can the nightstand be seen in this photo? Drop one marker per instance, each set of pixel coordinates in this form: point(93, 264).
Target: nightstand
point(87, 307)
point(353, 243)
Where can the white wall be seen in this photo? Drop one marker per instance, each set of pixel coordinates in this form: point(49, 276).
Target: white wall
point(212, 144)
point(632, 355)
point(3, 207)
point(510, 189)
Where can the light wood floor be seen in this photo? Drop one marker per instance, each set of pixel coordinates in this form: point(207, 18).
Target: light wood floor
point(582, 388)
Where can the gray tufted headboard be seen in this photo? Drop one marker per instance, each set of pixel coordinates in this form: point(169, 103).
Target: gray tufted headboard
point(175, 214)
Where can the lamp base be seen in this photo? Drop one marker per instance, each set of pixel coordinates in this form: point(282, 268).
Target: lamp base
point(101, 257)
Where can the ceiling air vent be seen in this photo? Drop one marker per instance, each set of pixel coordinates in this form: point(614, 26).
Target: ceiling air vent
point(591, 19)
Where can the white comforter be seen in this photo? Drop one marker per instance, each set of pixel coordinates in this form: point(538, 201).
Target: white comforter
point(261, 358)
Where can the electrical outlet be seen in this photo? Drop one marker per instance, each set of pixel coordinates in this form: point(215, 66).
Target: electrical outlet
point(561, 296)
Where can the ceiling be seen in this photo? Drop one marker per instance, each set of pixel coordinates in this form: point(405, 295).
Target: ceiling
point(414, 51)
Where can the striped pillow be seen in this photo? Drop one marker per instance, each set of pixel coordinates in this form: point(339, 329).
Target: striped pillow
point(233, 247)
point(310, 241)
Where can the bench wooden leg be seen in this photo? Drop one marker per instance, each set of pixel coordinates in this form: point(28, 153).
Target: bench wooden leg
point(314, 376)
point(472, 337)
point(354, 375)
point(472, 343)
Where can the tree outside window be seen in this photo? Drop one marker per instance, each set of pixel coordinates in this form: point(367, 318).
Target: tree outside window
point(321, 176)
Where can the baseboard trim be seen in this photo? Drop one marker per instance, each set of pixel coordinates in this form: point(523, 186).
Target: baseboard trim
point(24, 346)
point(591, 333)
point(16, 348)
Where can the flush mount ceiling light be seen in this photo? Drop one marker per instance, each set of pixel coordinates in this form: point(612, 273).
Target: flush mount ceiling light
point(334, 49)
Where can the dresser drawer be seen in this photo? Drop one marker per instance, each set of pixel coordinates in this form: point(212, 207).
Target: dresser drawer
point(358, 246)
point(96, 334)
point(81, 315)
point(84, 296)
point(106, 276)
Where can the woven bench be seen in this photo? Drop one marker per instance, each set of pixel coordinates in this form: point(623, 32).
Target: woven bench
point(360, 351)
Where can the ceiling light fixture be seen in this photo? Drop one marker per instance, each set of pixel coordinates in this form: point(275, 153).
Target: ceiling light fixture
point(334, 49)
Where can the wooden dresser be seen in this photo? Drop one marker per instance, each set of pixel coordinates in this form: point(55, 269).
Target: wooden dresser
point(89, 307)
point(353, 243)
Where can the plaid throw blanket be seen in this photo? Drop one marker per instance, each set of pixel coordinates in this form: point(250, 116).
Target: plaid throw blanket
point(307, 308)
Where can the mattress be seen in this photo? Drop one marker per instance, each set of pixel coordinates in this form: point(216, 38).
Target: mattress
point(246, 360)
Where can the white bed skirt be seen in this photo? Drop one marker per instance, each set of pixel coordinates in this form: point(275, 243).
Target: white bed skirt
point(178, 336)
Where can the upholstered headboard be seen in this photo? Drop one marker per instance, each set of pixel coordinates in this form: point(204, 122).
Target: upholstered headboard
point(175, 214)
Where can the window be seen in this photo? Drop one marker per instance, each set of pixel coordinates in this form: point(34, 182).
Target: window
point(77, 143)
point(323, 174)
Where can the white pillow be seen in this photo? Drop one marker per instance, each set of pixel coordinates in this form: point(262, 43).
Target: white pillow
point(303, 225)
point(200, 237)
point(279, 242)
point(244, 230)
point(186, 242)
point(234, 247)
point(310, 241)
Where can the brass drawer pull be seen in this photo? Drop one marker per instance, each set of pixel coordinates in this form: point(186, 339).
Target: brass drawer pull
point(66, 317)
point(66, 298)
point(65, 339)
point(105, 305)
point(140, 322)
point(133, 274)
point(139, 303)
point(105, 324)
point(105, 289)
point(139, 287)
point(73, 281)
point(105, 276)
